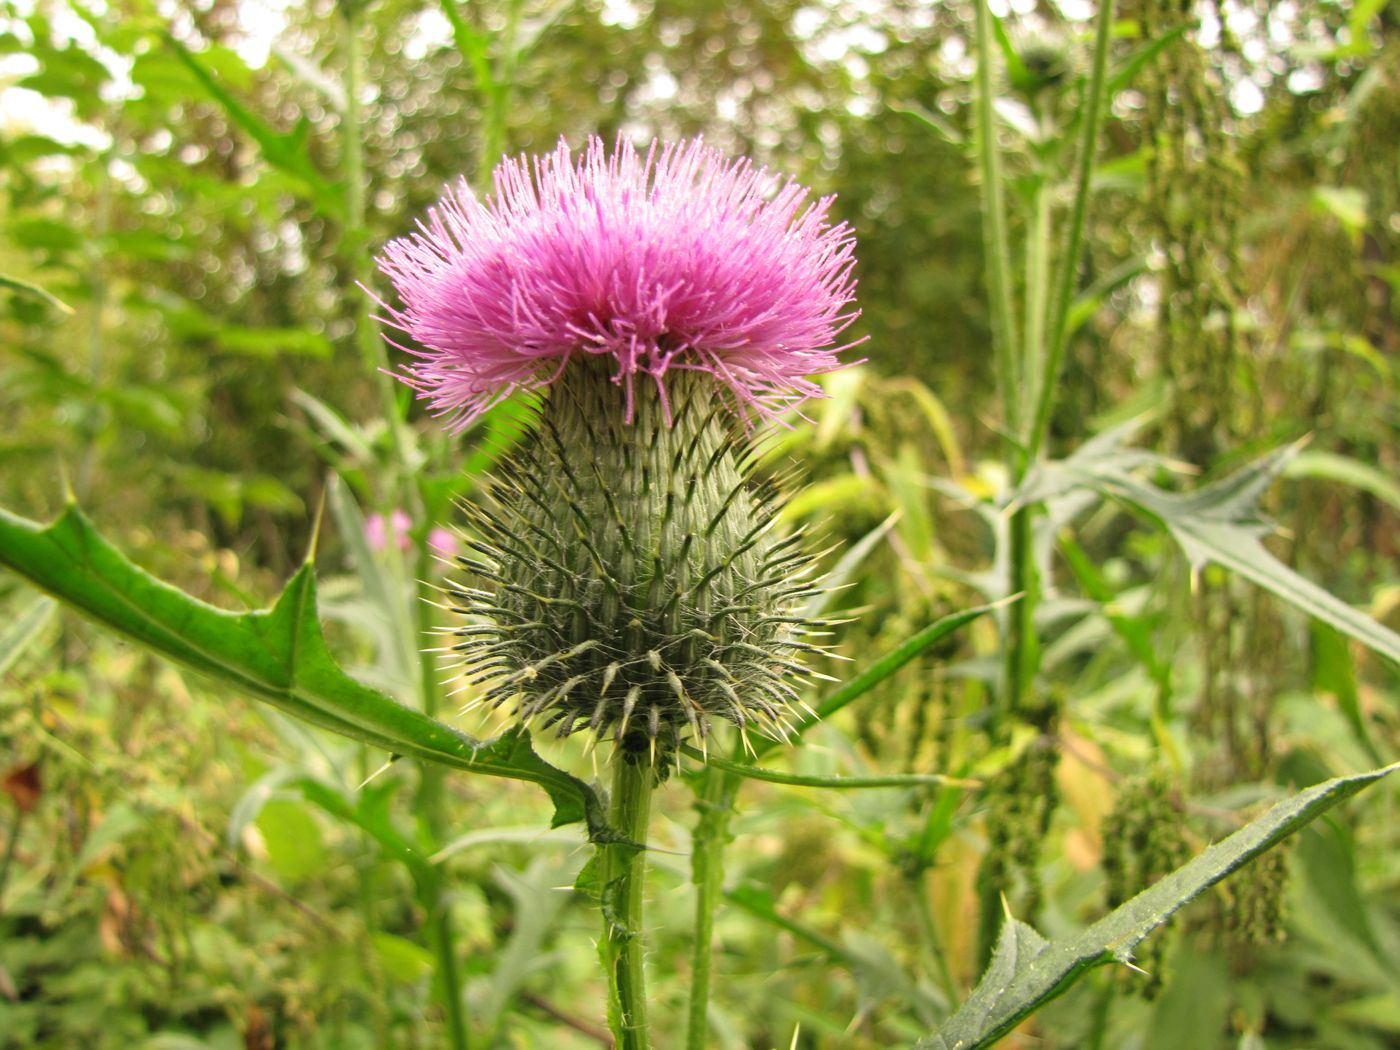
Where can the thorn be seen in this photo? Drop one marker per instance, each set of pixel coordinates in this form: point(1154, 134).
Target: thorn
point(316, 529)
point(378, 772)
point(65, 480)
point(744, 738)
point(1134, 967)
point(629, 702)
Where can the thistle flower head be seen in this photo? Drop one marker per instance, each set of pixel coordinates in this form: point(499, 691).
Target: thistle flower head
point(673, 259)
point(626, 571)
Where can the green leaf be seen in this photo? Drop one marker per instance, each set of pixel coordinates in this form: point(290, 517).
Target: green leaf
point(1330, 466)
point(334, 427)
point(877, 975)
point(844, 570)
point(831, 495)
point(1219, 523)
point(33, 291)
point(22, 631)
point(293, 840)
point(47, 235)
point(774, 776)
point(368, 809)
point(273, 342)
point(1015, 67)
point(473, 46)
point(288, 152)
point(934, 123)
point(1334, 671)
point(68, 73)
point(1346, 204)
point(276, 655)
point(1123, 76)
point(886, 666)
point(401, 959)
point(1027, 971)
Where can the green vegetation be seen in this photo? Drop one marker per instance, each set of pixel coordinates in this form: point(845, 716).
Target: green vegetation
point(1112, 507)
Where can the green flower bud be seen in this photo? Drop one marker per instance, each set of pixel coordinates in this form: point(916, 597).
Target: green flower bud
point(632, 581)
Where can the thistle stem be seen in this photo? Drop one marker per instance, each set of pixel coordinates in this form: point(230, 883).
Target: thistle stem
point(716, 806)
point(444, 941)
point(994, 236)
point(429, 803)
point(1068, 270)
point(623, 867)
point(372, 349)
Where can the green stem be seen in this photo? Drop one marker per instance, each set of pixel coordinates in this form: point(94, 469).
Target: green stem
point(623, 867)
point(97, 288)
point(372, 348)
point(994, 236)
point(1069, 261)
point(716, 806)
point(11, 844)
point(1098, 1019)
point(501, 90)
point(444, 940)
point(1037, 295)
point(1021, 645)
point(373, 353)
point(432, 776)
point(932, 939)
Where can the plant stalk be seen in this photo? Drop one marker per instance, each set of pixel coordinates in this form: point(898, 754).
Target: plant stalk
point(444, 940)
point(429, 801)
point(933, 940)
point(994, 235)
point(1037, 296)
point(372, 349)
point(715, 805)
point(11, 845)
point(1021, 651)
point(1068, 270)
point(623, 867)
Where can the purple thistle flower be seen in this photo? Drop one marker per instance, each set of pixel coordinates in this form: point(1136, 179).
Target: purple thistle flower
point(676, 259)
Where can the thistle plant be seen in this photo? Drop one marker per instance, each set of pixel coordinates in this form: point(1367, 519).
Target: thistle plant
point(625, 578)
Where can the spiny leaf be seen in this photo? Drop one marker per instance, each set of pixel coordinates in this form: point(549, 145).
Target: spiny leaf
point(1220, 522)
point(1026, 971)
point(277, 655)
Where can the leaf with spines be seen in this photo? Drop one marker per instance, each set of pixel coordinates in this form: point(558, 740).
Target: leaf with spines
point(1027, 971)
point(277, 655)
point(1220, 522)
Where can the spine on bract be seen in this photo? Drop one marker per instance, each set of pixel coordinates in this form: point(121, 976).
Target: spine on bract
point(628, 579)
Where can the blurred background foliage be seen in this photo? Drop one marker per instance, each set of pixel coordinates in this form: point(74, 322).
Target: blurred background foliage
point(179, 257)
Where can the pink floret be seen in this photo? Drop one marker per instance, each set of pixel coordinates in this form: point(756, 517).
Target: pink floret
point(678, 258)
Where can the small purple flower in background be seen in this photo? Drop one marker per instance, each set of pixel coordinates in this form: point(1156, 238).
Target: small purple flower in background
point(675, 259)
point(375, 532)
point(378, 530)
point(442, 542)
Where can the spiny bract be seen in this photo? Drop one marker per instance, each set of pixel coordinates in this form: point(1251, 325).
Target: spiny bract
point(635, 586)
